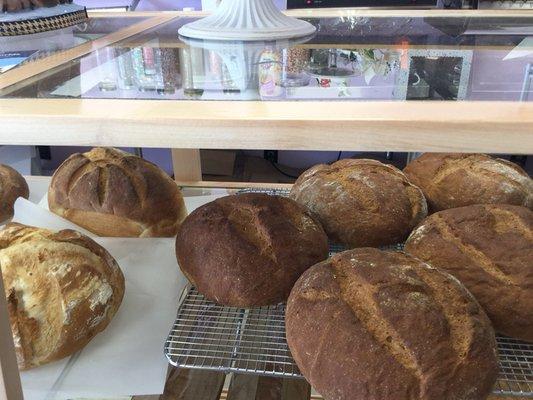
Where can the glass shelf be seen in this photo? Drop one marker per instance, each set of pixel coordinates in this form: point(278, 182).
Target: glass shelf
point(350, 58)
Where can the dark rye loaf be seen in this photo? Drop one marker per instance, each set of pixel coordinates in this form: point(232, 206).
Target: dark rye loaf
point(374, 325)
point(248, 250)
point(361, 202)
point(455, 180)
point(489, 248)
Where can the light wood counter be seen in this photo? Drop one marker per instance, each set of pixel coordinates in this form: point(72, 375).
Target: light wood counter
point(504, 127)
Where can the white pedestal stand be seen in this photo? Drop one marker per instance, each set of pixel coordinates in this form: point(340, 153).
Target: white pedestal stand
point(247, 20)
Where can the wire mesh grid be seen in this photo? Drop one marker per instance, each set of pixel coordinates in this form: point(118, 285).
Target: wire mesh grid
point(516, 367)
point(209, 336)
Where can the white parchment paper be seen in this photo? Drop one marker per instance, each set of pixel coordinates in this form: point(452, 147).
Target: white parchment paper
point(127, 358)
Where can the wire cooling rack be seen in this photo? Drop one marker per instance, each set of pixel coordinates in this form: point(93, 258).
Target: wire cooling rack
point(209, 336)
point(213, 337)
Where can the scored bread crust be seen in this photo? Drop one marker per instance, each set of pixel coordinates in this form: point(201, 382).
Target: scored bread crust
point(12, 186)
point(113, 193)
point(361, 202)
point(489, 248)
point(62, 289)
point(373, 325)
point(451, 180)
point(248, 250)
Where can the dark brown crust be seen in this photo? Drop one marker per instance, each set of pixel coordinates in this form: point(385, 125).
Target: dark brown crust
point(113, 193)
point(12, 186)
point(56, 290)
point(373, 325)
point(451, 180)
point(489, 248)
point(248, 250)
point(361, 202)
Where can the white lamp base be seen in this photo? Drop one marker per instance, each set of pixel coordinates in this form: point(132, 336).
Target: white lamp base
point(247, 20)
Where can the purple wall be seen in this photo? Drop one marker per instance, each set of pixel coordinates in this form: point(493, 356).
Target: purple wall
point(494, 78)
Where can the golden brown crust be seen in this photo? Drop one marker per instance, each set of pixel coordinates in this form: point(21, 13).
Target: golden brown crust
point(451, 180)
point(12, 186)
point(386, 326)
point(361, 202)
point(489, 248)
point(113, 193)
point(248, 250)
point(62, 289)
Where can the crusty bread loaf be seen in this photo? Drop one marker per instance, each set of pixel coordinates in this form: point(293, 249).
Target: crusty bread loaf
point(12, 186)
point(373, 325)
point(62, 289)
point(361, 202)
point(489, 248)
point(113, 193)
point(456, 180)
point(248, 250)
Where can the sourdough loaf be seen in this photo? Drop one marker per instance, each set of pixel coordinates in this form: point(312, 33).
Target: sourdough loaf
point(361, 202)
point(62, 289)
point(456, 180)
point(248, 250)
point(489, 248)
point(373, 325)
point(113, 193)
point(12, 186)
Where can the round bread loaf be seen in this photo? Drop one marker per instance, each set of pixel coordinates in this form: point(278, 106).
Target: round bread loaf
point(361, 202)
point(12, 186)
point(113, 193)
point(374, 325)
point(248, 250)
point(489, 248)
point(62, 289)
point(457, 180)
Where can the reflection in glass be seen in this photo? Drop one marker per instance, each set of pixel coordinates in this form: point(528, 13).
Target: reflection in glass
point(350, 58)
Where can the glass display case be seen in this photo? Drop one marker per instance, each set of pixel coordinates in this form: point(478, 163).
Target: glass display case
point(363, 82)
point(351, 58)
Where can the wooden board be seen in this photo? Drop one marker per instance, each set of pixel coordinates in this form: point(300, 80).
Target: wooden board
point(414, 126)
point(251, 387)
point(184, 384)
point(187, 165)
point(10, 387)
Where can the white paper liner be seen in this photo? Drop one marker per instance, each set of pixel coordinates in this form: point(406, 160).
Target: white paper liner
point(127, 358)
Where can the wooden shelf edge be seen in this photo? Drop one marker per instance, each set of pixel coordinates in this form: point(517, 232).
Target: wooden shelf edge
point(505, 127)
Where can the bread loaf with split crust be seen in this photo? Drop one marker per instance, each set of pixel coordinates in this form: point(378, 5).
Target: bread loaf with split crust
point(12, 186)
point(489, 248)
point(456, 180)
point(361, 202)
point(374, 325)
point(113, 193)
point(248, 250)
point(62, 289)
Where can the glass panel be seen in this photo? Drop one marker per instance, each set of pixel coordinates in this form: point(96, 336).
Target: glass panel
point(350, 58)
point(19, 50)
